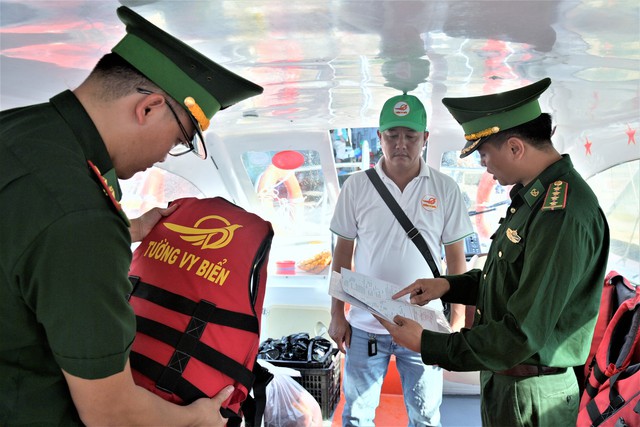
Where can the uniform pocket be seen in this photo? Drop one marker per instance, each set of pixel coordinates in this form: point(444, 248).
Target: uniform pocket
point(510, 252)
point(561, 396)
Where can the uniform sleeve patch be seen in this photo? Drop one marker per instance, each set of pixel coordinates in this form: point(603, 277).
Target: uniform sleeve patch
point(556, 198)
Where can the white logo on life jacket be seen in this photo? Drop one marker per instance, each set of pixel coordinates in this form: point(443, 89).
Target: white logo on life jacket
point(206, 238)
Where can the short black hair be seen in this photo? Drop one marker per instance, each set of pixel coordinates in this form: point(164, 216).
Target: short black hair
point(118, 78)
point(536, 132)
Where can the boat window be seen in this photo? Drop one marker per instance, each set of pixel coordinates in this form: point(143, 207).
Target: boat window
point(618, 191)
point(354, 149)
point(485, 198)
point(152, 188)
point(292, 194)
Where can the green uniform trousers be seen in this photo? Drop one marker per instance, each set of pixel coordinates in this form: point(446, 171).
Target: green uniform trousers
point(539, 401)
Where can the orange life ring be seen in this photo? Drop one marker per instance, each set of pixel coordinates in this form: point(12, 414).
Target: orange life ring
point(269, 187)
point(485, 188)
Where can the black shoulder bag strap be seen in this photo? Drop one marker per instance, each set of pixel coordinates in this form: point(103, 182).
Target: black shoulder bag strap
point(412, 232)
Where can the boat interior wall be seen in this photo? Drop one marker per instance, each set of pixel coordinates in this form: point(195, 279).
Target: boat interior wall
point(281, 320)
point(229, 154)
point(328, 65)
point(333, 64)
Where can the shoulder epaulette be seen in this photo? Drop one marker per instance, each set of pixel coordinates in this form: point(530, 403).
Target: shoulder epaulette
point(556, 197)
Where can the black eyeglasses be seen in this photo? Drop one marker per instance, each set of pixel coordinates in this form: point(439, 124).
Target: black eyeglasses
point(189, 143)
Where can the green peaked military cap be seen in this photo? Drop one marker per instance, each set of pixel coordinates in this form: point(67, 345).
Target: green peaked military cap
point(482, 116)
point(180, 70)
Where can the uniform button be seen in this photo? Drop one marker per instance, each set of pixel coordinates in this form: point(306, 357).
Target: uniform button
point(478, 311)
point(512, 210)
point(485, 275)
point(500, 254)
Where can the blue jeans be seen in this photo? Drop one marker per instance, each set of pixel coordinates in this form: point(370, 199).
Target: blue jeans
point(364, 374)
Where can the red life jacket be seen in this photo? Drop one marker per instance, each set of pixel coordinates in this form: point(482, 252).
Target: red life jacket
point(199, 281)
point(615, 291)
point(612, 389)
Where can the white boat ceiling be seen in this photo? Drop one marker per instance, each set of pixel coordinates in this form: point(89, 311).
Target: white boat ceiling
point(330, 64)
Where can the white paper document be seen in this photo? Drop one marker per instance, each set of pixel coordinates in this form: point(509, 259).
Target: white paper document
point(374, 295)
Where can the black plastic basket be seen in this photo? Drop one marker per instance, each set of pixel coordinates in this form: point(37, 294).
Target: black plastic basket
point(321, 380)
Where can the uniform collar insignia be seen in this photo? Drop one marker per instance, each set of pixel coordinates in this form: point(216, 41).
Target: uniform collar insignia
point(114, 186)
point(531, 196)
point(111, 189)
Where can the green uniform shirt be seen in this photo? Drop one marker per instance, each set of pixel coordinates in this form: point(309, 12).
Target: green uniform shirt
point(538, 295)
point(64, 260)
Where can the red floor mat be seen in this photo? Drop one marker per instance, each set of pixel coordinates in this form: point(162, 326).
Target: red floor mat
point(390, 413)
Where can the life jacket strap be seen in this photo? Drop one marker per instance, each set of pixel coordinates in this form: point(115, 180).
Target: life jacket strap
point(186, 345)
point(186, 306)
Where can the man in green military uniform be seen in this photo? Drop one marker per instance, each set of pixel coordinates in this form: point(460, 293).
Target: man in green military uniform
point(538, 294)
point(66, 326)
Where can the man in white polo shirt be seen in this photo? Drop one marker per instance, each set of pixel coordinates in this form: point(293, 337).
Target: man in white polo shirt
point(434, 203)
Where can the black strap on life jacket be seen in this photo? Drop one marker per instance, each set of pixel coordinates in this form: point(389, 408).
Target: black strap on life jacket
point(621, 341)
point(253, 406)
point(187, 344)
point(616, 400)
point(152, 369)
point(184, 305)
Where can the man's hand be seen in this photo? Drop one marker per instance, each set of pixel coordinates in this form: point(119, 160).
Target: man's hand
point(142, 225)
point(210, 408)
point(339, 328)
point(117, 401)
point(406, 332)
point(424, 290)
point(340, 332)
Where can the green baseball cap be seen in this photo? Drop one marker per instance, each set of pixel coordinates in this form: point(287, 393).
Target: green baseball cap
point(197, 83)
point(482, 116)
point(403, 111)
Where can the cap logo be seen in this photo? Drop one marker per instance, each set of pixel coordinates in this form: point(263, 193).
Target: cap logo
point(401, 109)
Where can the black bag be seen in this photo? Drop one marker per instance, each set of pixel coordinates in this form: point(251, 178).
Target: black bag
point(296, 348)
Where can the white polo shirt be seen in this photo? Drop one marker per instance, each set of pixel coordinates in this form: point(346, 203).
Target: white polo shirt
point(432, 201)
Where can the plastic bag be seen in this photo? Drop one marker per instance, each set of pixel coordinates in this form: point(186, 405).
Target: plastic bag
point(290, 405)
